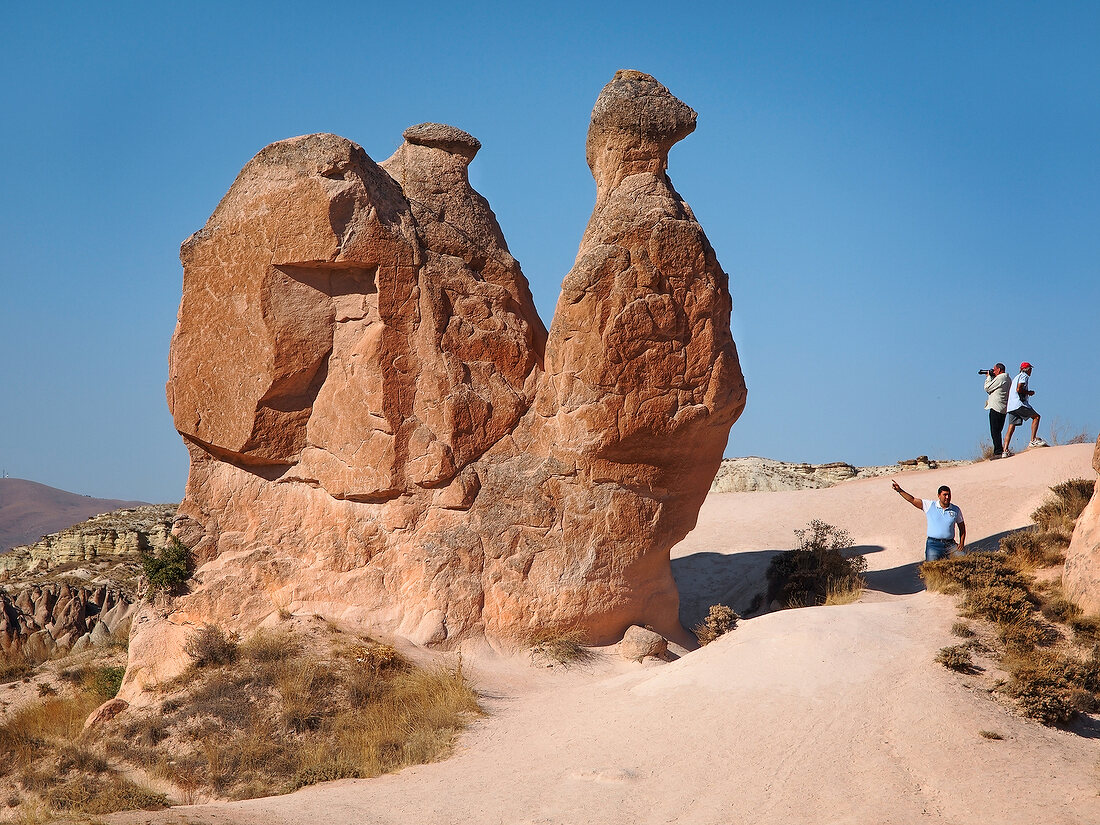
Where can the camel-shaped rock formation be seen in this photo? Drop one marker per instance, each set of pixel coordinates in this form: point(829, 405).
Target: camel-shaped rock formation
point(382, 432)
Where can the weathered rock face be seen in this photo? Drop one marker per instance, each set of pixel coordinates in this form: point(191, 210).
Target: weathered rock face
point(380, 428)
point(1081, 578)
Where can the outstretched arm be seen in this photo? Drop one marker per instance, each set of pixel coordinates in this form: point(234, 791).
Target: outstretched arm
point(916, 502)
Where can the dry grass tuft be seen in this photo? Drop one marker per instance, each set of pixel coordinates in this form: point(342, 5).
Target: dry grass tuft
point(559, 647)
point(956, 657)
point(990, 734)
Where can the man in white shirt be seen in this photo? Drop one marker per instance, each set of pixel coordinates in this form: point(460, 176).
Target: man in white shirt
point(1020, 409)
point(996, 386)
point(942, 517)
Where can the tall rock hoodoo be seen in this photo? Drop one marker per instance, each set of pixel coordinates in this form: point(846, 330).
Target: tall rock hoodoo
point(381, 429)
point(1081, 578)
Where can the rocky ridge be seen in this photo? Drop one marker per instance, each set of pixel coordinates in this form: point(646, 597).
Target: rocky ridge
point(78, 587)
point(753, 474)
point(109, 536)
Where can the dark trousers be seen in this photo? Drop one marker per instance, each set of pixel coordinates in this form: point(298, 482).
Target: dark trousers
point(996, 425)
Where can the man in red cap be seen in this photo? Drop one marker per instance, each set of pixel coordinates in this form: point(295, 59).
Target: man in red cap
point(1020, 409)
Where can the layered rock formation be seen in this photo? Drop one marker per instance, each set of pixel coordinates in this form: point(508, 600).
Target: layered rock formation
point(752, 474)
point(382, 431)
point(116, 535)
point(1081, 578)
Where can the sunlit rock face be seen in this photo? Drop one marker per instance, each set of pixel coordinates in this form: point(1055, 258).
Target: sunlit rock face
point(1081, 578)
point(383, 432)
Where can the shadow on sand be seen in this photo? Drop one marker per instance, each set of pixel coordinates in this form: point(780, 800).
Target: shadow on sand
point(735, 580)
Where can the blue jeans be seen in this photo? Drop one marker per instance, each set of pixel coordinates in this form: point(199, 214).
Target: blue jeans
point(936, 549)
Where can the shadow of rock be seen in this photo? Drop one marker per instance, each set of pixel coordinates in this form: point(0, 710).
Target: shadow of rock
point(989, 544)
point(734, 580)
point(897, 581)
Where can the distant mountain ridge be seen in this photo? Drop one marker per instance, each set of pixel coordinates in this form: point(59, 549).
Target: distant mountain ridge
point(29, 510)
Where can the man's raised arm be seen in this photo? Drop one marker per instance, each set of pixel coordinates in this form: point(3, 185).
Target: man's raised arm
point(916, 502)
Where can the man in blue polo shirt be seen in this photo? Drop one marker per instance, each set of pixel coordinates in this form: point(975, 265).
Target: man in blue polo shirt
point(942, 517)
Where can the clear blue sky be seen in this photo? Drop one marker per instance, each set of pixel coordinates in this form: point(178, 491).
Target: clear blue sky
point(902, 194)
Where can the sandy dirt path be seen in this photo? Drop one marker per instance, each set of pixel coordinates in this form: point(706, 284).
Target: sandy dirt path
point(830, 714)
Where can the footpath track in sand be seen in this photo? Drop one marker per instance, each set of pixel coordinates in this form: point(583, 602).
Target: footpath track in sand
point(831, 714)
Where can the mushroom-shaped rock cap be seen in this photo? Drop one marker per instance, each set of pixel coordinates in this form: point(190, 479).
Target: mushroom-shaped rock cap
point(442, 136)
point(638, 116)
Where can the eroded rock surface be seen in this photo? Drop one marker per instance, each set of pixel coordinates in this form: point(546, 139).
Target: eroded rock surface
point(1081, 577)
point(381, 429)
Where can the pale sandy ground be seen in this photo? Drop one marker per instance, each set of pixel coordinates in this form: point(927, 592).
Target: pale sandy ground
point(829, 714)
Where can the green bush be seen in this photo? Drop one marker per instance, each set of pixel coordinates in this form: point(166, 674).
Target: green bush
point(167, 569)
point(106, 681)
point(804, 576)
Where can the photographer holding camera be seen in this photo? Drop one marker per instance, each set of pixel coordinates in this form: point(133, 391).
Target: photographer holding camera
point(996, 386)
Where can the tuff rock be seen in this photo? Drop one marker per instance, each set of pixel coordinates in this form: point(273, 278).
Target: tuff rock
point(41, 621)
point(382, 431)
point(640, 642)
point(1081, 576)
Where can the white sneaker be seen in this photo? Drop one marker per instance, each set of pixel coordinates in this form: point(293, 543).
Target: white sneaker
point(1007, 453)
point(1038, 442)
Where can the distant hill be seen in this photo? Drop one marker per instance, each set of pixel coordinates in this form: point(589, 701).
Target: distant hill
point(29, 510)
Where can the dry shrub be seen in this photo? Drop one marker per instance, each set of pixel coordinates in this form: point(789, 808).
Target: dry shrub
point(719, 621)
point(1051, 686)
point(962, 630)
point(956, 657)
point(211, 647)
point(1031, 548)
point(559, 647)
point(1086, 629)
point(806, 575)
point(845, 591)
point(1026, 632)
point(284, 716)
point(1060, 512)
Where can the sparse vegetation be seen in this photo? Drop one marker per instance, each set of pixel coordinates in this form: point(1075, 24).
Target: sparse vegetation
point(559, 647)
point(1051, 678)
point(817, 569)
point(211, 647)
point(962, 630)
point(719, 621)
point(285, 715)
point(266, 715)
point(990, 734)
point(956, 657)
point(166, 570)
